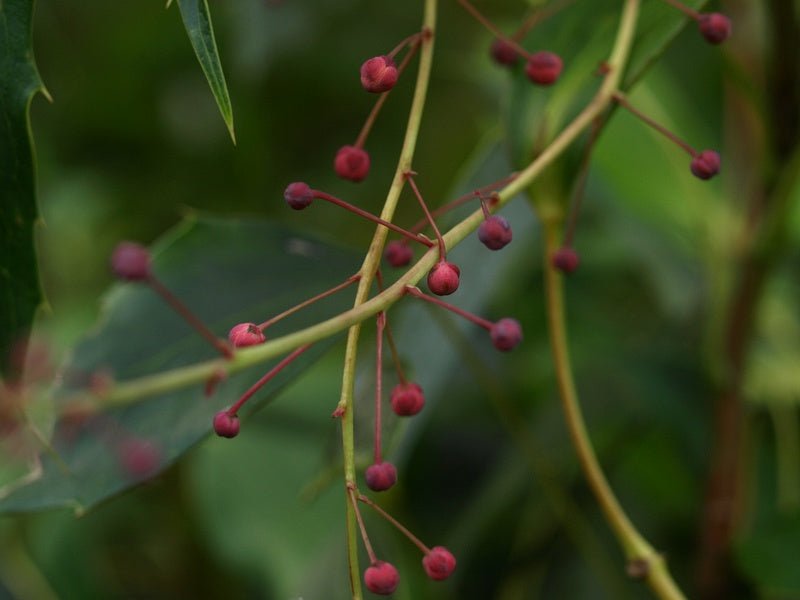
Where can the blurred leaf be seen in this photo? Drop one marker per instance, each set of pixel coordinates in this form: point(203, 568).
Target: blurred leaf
point(769, 557)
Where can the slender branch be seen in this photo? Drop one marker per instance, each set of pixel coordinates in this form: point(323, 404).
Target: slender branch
point(399, 526)
point(347, 282)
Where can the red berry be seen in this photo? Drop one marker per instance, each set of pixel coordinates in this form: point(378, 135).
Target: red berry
point(443, 278)
point(566, 259)
point(715, 27)
point(398, 254)
point(226, 425)
point(494, 232)
point(351, 163)
point(378, 74)
point(544, 68)
point(705, 165)
point(381, 578)
point(381, 476)
point(130, 262)
point(298, 195)
point(139, 457)
point(503, 52)
point(407, 399)
point(506, 334)
point(246, 334)
point(439, 563)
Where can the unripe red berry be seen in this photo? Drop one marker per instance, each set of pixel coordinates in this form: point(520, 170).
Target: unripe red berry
point(351, 163)
point(380, 476)
point(506, 334)
point(705, 165)
point(495, 232)
point(407, 399)
point(378, 74)
point(503, 52)
point(566, 259)
point(246, 334)
point(715, 27)
point(439, 563)
point(130, 262)
point(398, 254)
point(544, 68)
point(443, 278)
point(381, 578)
point(226, 425)
point(298, 195)
point(139, 457)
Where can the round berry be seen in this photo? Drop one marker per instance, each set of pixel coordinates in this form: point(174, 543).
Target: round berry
point(705, 165)
point(381, 578)
point(226, 425)
point(503, 52)
point(351, 163)
point(495, 232)
point(130, 262)
point(715, 27)
point(566, 259)
point(378, 74)
point(298, 195)
point(443, 278)
point(398, 254)
point(246, 334)
point(544, 68)
point(439, 563)
point(139, 458)
point(407, 399)
point(381, 476)
point(506, 334)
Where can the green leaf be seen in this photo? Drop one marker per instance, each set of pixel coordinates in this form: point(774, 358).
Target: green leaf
point(19, 81)
point(227, 271)
point(197, 21)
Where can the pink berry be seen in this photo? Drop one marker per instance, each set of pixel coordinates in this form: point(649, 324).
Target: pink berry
point(226, 425)
point(407, 399)
point(398, 254)
point(130, 262)
point(503, 52)
point(715, 27)
point(381, 476)
point(439, 563)
point(381, 578)
point(566, 259)
point(351, 163)
point(506, 334)
point(139, 457)
point(544, 68)
point(443, 278)
point(298, 195)
point(705, 165)
point(246, 334)
point(495, 232)
point(378, 74)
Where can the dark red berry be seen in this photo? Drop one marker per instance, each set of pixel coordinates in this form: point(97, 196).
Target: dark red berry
point(381, 578)
point(566, 259)
point(130, 262)
point(381, 476)
point(443, 278)
point(398, 254)
point(544, 68)
point(439, 563)
point(246, 334)
point(226, 425)
point(298, 195)
point(407, 399)
point(139, 457)
point(351, 163)
point(503, 52)
point(506, 334)
point(495, 232)
point(378, 74)
point(715, 27)
point(705, 165)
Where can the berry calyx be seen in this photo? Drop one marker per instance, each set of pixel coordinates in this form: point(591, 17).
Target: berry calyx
point(544, 67)
point(495, 232)
point(298, 195)
point(715, 27)
point(130, 262)
point(503, 52)
point(566, 259)
point(407, 399)
point(705, 165)
point(443, 278)
point(381, 578)
point(351, 163)
point(506, 334)
point(380, 476)
point(439, 563)
point(398, 254)
point(378, 74)
point(226, 425)
point(246, 334)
